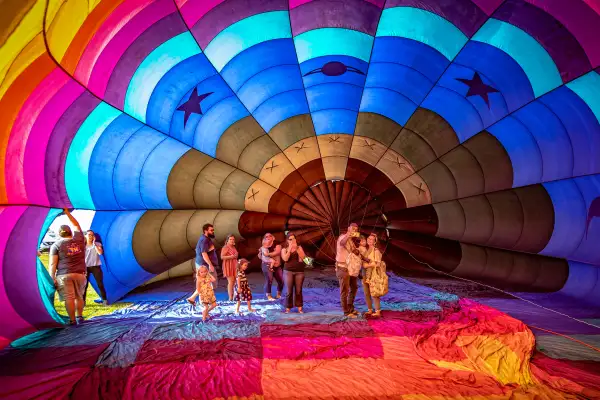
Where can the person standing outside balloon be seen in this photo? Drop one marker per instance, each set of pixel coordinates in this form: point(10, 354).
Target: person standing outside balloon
point(229, 256)
point(93, 251)
point(67, 268)
point(348, 284)
point(206, 255)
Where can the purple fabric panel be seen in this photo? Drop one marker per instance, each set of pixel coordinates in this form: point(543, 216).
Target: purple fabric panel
point(350, 14)
point(20, 269)
point(12, 325)
point(58, 147)
point(488, 6)
point(165, 29)
point(563, 47)
point(465, 15)
point(580, 19)
point(228, 13)
point(119, 44)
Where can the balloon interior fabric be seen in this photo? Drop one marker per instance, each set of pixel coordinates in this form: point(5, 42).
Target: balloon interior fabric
point(465, 133)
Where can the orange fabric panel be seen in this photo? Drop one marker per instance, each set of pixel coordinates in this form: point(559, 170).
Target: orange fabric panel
point(92, 24)
point(11, 104)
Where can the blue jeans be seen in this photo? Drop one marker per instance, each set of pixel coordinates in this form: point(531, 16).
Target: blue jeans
point(277, 274)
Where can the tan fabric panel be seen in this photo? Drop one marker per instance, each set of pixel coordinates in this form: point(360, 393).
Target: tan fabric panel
point(493, 160)
point(233, 191)
point(394, 166)
point(184, 269)
point(440, 181)
point(414, 148)
point(226, 223)
point(526, 270)
point(553, 274)
point(499, 265)
point(198, 219)
point(146, 241)
point(434, 129)
point(415, 191)
point(236, 138)
point(466, 171)
point(335, 145)
point(367, 150)
point(258, 196)
point(472, 262)
point(276, 170)
point(180, 185)
point(451, 220)
point(303, 151)
point(207, 188)
point(508, 219)
point(173, 236)
point(538, 217)
point(256, 155)
point(479, 219)
point(335, 167)
point(292, 130)
point(377, 127)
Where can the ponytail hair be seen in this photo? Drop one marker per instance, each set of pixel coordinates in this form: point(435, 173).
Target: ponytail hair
point(241, 262)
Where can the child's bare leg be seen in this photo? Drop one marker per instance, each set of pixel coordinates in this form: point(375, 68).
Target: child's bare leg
point(237, 307)
point(205, 312)
point(212, 306)
point(250, 309)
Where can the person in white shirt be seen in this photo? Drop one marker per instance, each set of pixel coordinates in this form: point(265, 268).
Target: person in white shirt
point(348, 284)
point(93, 251)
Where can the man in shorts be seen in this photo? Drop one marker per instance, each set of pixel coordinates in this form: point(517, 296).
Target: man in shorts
point(67, 268)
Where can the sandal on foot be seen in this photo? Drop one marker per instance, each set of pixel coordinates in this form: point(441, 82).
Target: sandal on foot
point(287, 311)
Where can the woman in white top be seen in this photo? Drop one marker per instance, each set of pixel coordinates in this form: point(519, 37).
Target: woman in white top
point(374, 257)
point(93, 251)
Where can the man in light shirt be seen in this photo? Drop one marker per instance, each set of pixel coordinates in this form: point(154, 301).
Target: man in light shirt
point(93, 251)
point(348, 284)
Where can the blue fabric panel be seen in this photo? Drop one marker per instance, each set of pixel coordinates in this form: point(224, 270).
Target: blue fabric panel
point(334, 121)
point(269, 83)
point(569, 218)
point(156, 170)
point(281, 107)
point(582, 126)
point(388, 103)
point(175, 85)
point(404, 80)
point(129, 165)
point(503, 72)
point(122, 272)
point(259, 58)
point(356, 71)
point(334, 95)
point(552, 139)
point(220, 93)
point(583, 282)
point(457, 110)
point(522, 148)
point(489, 114)
point(215, 122)
point(413, 54)
point(104, 157)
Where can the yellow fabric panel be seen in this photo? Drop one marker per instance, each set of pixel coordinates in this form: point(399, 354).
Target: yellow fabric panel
point(28, 29)
point(64, 26)
point(31, 52)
